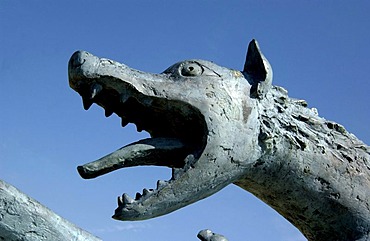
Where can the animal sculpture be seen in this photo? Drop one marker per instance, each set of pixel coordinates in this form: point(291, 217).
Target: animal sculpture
point(214, 126)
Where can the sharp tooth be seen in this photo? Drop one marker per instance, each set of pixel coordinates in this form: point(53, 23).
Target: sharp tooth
point(124, 121)
point(189, 160)
point(161, 184)
point(176, 172)
point(124, 97)
point(147, 101)
point(119, 201)
point(95, 89)
point(139, 128)
point(138, 196)
point(87, 103)
point(108, 112)
point(145, 192)
point(127, 199)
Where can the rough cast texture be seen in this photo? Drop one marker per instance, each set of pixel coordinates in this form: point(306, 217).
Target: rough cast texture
point(22, 218)
point(216, 126)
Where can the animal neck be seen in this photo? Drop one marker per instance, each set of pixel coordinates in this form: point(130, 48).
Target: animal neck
point(312, 171)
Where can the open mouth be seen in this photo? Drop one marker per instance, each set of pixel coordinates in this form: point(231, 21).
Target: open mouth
point(178, 131)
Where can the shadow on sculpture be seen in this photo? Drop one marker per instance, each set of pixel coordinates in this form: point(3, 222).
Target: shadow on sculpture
point(215, 126)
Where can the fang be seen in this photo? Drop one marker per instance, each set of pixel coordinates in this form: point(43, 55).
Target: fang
point(127, 199)
point(108, 112)
point(124, 122)
point(87, 103)
point(95, 89)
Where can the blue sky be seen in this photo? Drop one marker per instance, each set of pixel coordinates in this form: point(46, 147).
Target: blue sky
point(319, 51)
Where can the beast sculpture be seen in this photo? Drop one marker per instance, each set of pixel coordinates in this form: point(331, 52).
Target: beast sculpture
point(215, 126)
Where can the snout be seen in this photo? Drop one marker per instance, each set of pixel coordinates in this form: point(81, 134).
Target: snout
point(78, 58)
point(82, 65)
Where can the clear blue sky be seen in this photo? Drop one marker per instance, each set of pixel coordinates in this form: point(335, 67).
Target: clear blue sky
point(319, 51)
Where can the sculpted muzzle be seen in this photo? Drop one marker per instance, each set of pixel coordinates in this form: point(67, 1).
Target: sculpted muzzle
point(178, 130)
point(186, 134)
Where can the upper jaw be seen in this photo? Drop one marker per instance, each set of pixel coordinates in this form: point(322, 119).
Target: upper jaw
point(136, 97)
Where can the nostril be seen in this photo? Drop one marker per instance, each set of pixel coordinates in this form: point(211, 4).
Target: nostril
point(78, 59)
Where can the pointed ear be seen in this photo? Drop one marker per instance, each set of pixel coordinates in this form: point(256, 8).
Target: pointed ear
point(257, 70)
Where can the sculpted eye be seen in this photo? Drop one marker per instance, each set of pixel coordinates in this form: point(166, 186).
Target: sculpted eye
point(191, 69)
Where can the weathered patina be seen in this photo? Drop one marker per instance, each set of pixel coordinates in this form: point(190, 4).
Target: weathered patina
point(215, 126)
point(24, 218)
